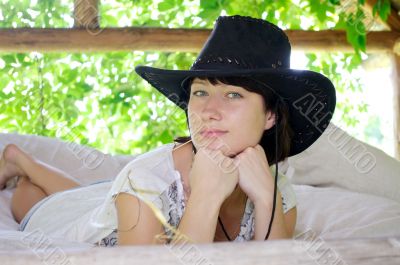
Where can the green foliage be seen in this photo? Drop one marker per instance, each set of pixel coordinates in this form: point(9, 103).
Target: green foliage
point(97, 99)
point(36, 13)
point(382, 8)
point(94, 99)
point(335, 66)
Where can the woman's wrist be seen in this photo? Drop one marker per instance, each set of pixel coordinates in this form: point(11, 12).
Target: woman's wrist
point(264, 202)
point(263, 214)
point(199, 221)
point(201, 197)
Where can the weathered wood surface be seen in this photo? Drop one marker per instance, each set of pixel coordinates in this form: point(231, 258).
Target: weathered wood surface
point(162, 39)
point(86, 14)
point(384, 251)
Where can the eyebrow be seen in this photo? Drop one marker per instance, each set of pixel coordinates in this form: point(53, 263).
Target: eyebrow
point(198, 81)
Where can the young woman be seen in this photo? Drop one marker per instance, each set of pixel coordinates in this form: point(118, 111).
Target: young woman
point(246, 111)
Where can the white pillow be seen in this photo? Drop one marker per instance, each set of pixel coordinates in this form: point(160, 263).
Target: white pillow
point(337, 213)
point(337, 159)
point(7, 221)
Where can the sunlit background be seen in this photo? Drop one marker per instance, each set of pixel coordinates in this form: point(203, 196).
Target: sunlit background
point(375, 126)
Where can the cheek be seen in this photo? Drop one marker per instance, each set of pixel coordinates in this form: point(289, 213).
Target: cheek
point(191, 113)
point(252, 126)
point(194, 122)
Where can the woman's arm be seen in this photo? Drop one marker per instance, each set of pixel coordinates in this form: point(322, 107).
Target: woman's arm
point(137, 224)
point(258, 183)
point(283, 224)
point(199, 221)
point(211, 183)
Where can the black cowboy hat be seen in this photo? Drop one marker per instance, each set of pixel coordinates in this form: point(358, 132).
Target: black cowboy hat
point(257, 49)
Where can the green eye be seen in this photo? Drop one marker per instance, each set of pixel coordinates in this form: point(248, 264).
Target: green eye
point(199, 93)
point(234, 95)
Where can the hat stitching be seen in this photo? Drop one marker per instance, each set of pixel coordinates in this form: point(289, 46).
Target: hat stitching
point(229, 60)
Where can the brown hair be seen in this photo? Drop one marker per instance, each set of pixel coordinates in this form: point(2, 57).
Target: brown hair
point(273, 102)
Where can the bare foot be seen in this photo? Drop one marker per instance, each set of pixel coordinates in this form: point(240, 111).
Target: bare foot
point(8, 166)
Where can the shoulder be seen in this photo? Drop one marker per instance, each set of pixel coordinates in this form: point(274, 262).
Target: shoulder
point(156, 162)
point(162, 154)
point(149, 174)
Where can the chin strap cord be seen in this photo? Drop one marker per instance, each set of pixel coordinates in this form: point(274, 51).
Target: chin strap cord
point(276, 173)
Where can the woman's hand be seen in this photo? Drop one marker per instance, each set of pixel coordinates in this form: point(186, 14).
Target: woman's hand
point(213, 174)
point(255, 178)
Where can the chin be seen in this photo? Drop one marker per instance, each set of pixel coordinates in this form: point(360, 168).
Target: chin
point(229, 150)
point(226, 149)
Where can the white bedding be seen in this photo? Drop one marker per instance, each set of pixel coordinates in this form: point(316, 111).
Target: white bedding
point(326, 206)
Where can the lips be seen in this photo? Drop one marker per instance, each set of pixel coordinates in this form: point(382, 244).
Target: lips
point(212, 133)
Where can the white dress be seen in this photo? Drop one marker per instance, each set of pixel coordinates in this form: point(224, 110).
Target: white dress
point(88, 214)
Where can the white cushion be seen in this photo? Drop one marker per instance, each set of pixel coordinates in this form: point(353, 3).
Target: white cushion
point(337, 159)
point(337, 213)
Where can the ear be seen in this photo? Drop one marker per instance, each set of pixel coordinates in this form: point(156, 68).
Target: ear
point(269, 120)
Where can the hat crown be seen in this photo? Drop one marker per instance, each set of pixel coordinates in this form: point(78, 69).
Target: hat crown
point(244, 43)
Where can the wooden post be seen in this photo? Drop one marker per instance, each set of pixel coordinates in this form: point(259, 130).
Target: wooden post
point(86, 14)
point(396, 98)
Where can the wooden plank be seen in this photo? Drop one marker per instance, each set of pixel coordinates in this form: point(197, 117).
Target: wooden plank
point(107, 39)
point(86, 14)
point(313, 251)
point(336, 41)
point(396, 99)
point(162, 39)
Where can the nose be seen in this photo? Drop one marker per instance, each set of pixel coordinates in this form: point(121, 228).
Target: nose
point(212, 108)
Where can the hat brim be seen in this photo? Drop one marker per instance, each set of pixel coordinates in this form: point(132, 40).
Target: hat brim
point(309, 96)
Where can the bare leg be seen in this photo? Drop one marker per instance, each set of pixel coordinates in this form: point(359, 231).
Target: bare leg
point(16, 162)
point(37, 179)
point(25, 196)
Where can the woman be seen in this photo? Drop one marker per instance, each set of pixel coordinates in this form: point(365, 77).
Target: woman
point(246, 110)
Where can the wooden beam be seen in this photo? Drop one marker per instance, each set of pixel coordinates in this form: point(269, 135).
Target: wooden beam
point(162, 39)
point(393, 21)
point(396, 98)
point(336, 41)
point(86, 14)
point(309, 250)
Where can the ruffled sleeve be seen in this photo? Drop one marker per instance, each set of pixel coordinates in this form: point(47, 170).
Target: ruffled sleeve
point(146, 177)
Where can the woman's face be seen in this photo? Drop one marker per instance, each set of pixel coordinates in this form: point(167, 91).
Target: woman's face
point(225, 117)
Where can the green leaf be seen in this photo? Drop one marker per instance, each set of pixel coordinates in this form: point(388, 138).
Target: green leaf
point(165, 137)
point(382, 8)
point(209, 4)
point(166, 5)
